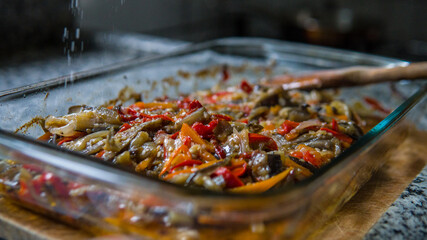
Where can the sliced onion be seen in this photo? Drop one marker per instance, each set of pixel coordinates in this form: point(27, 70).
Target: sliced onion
point(80, 144)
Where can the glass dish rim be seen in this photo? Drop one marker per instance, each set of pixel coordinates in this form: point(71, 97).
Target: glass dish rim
point(363, 142)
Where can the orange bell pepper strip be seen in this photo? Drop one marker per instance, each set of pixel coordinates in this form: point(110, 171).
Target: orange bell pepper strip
point(183, 149)
point(71, 138)
point(207, 156)
point(45, 137)
point(262, 186)
point(187, 131)
point(189, 170)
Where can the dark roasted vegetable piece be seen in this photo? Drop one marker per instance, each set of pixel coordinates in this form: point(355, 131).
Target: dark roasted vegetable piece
point(120, 140)
point(299, 114)
point(257, 113)
point(274, 163)
point(254, 128)
point(222, 130)
point(206, 170)
point(274, 97)
point(200, 115)
point(304, 164)
point(258, 141)
point(268, 99)
point(351, 129)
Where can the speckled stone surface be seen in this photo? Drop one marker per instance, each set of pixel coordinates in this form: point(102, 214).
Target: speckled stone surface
point(407, 216)
point(405, 219)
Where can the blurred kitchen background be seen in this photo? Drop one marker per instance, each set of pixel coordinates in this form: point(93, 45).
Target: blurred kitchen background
point(70, 30)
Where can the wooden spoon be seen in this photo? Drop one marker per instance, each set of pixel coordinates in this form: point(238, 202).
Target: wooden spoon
point(352, 76)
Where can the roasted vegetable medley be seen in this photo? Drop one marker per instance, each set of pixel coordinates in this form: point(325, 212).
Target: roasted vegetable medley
point(240, 139)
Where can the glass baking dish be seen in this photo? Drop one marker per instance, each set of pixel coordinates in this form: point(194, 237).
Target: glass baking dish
point(104, 199)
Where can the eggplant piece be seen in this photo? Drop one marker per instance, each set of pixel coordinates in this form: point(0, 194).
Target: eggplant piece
point(273, 97)
point(254, 128)
point(305, 164)
point(124, 159)
point(308, 137)
point(207, 169)
point(258, 112)
point(69, 124)
point(321, 144)
point(121, 140)
point(200, 115)
point(80, 144)
point(299, 114)
point(274, 163)
point(239, 126)
point(268, 99)
point(223, 130)
point(351, 129)
point(259, 166)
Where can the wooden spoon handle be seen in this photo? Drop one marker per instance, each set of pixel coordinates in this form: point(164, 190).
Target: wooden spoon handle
point(351, 76)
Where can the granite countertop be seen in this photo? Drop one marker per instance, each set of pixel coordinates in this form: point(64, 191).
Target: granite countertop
point(405, 219)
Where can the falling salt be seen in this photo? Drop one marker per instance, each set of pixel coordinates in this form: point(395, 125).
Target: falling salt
point(72, 46)
point(77, 33)
point(72, 77)
point(65, 34)
point(68, 58)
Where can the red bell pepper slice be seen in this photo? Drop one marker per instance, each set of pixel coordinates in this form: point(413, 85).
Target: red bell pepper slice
point(205, 131)
point(231, 180)
point(308, 154)
point(33, 168)
point(71, 138)
point(287, 126)
point(24, 192)
point(240, 170)
point(334, 125)
point(175, 135)
point(37, 184)
point(56, 182)
point(190, 162)
point(194, 105)
point(100, 154)
point(258, 139)
point(127, 114)
point(186, 141)
point(221, 116)
point(125, 127)
point(246, 87)
point(338, 135)
point(220, 151)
